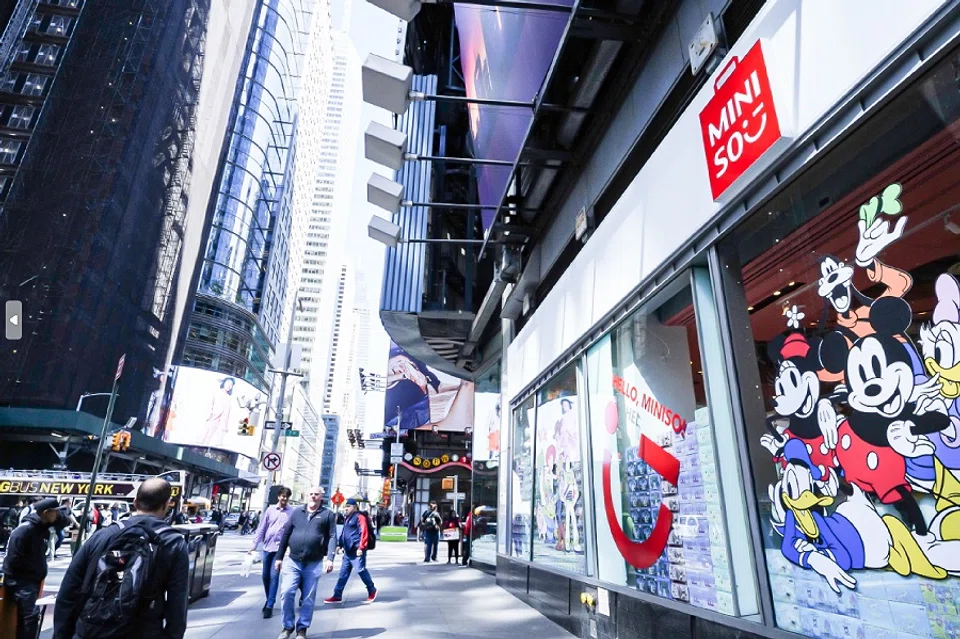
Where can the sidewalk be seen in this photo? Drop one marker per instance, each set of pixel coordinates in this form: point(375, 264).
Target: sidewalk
point(432, 601)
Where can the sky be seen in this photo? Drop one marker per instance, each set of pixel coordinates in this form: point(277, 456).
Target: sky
point(371, 30)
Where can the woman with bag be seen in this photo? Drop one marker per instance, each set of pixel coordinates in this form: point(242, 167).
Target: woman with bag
point(451, 535)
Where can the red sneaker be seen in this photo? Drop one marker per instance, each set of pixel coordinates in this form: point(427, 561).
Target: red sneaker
point(333, 600)
point(371, 597)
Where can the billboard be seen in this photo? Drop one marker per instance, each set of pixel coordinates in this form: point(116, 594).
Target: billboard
point(207, 409)
point(495, 67)
point(419, 397)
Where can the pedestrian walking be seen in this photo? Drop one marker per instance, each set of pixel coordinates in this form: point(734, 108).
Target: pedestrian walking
point(355, 540)
point(65, 520)
point(130, 579)
point(451, 534)
point(311, 537)
point(25, 565)
point(467, 532)
point(269, 533)
point(114, 514)
point(244, 518)
point(430, 527)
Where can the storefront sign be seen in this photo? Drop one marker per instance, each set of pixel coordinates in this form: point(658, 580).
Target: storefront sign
point(739, 123)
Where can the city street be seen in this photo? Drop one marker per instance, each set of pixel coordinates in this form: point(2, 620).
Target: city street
point(416, 600)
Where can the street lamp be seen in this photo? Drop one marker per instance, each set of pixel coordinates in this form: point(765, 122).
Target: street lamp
point(86, 395)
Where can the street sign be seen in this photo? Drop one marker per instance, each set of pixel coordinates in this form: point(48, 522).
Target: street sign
point(452, 496)
point(271, 461)
point(123, 358)
point(396, 453)
point(291, 433)
point(270, 425)
point(447, 483)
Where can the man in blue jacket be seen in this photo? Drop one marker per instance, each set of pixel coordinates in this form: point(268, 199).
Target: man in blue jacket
point(354, 539)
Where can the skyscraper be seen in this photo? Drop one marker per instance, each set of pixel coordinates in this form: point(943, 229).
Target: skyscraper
point(102, 107)
point(243, 294)
point(329, 194)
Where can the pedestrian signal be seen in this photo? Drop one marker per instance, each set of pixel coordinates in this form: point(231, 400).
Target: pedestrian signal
point(116, 442)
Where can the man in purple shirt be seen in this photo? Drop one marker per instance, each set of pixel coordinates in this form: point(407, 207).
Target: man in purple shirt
point(269, 534)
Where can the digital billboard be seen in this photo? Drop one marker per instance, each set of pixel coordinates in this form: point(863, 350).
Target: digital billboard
point(207, 409)
point(495, 67)
point(419, 397)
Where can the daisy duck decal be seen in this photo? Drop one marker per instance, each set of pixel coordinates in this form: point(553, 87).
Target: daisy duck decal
point(866, 471)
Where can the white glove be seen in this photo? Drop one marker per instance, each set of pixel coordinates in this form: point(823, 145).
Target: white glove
point(902, 439)
point(827, 417)
point(829, 570)
point(876, 238)
point(771, 443)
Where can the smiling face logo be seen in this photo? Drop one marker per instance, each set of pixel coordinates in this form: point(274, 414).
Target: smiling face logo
point(642, 554)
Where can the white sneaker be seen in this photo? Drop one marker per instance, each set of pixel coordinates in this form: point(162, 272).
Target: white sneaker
point(285, 634)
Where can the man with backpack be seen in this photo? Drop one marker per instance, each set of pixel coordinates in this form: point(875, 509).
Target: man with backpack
point(356, 539)
point(130, 579)
point(25, 564)
point(430, 527)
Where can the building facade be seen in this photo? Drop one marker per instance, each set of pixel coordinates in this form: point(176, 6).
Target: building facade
point(123, 109)
point(243, 291)
point(726, 372)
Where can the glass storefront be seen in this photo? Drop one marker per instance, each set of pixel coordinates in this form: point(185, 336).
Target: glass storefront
point(659, 516)
point(559, 524)
point(486, 465)
point(851, 281)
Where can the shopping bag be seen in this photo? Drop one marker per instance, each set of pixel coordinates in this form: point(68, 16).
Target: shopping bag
point(247, 565)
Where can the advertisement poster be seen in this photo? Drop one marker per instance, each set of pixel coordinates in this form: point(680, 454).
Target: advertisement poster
point(558, 515)
point(486, 431)
point(207, 409)
point(521, 478)
point(419, 397)
point(858, 462)
point(660, 525)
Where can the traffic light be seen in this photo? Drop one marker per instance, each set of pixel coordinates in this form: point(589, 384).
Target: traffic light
point(116, 442)
point(351, 437)
point(245, 428)
point(125, 438)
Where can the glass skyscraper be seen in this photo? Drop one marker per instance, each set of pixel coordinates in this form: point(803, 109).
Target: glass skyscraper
point(242, 291)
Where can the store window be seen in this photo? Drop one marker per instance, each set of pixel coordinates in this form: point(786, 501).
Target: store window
point(486, 466)
point(659, 518)
point(521, 479)
point(559, 538)
point(852, 284)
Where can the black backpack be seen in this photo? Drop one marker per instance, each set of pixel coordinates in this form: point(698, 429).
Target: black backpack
point(123, 583)
point(371, 537)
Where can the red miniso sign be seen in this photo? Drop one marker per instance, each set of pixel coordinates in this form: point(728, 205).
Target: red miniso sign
point(739, 123)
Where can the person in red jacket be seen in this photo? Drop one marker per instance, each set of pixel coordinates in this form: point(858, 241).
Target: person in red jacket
point(467, 530)
point(354, 541)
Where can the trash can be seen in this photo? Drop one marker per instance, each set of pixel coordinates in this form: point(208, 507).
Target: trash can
point(201, 548)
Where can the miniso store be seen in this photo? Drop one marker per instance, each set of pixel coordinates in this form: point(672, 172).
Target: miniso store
point(770, 438)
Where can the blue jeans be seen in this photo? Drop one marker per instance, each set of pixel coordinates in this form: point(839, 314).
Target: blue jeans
point(432, 539)
point(302, 576)
point(348, 564)
point(271, 578)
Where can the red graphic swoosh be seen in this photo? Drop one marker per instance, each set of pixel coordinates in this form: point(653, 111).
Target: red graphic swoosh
point(642, 554)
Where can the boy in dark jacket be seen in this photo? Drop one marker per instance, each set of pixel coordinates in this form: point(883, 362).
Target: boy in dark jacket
point(25, 566)
point(166, 615)
point(354, 539)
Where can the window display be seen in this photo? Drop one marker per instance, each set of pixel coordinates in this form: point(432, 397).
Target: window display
point(486, 462)
point(852, 281)
point(559, 534)
point(659, 520)
point(521, 488)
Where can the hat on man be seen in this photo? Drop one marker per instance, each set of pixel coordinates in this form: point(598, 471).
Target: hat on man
point(46, 504)
point(351, 502)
